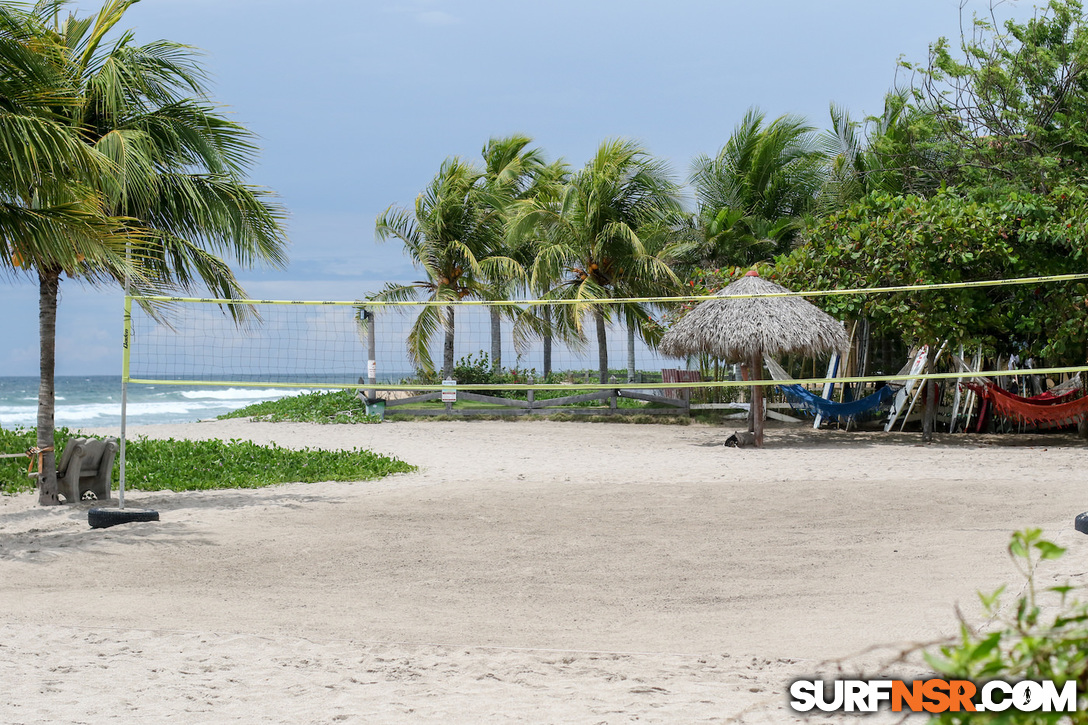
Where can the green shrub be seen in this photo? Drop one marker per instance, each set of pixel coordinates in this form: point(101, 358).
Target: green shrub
point(336, 406)
point(13, 471)
point(184, 465)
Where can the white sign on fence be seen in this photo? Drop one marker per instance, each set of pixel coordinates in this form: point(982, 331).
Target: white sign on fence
point(449, 395)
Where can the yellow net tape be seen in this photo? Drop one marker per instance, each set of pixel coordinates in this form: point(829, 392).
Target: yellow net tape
point(598, 386)
point(624, 300)
point(624, 386)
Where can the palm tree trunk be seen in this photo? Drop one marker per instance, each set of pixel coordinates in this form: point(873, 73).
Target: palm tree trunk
point(496, 338)
point(631, 353)
point(48, 290)
point(447, 347)
point(602, 344)
point(547, 342)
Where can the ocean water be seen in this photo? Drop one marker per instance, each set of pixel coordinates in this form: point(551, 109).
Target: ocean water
point(95, 401)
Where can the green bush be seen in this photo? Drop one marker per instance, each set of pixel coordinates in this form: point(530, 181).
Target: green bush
point(13, 471)
point(477, 369)
point(184, 465)
point(336, 406)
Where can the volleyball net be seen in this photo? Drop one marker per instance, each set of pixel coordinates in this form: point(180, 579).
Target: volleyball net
point(366, 344)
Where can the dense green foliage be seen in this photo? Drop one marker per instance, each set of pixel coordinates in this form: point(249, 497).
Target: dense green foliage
point(904, 240)
point(184, 465)
point(335, 406)
point(13, 471)
point(606, 234)
point(973, 170)
point(190, 465)
point(1007, 101)
point(753, 195)
point(1026, 641)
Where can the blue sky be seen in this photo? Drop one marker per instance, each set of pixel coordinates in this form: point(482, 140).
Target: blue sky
point(358, 102)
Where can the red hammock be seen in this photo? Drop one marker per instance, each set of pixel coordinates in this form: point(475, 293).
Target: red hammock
point(1047, 398)
point(1040, 411)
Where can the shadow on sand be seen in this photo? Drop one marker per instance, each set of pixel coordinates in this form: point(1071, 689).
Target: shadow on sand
point(792, 435)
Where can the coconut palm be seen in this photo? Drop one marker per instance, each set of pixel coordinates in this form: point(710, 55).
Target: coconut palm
point(754, 193)
point(512, 177)
point(593, 237)
point(181, 163)
point(49, 214)
point(511, 172)
point(51, 220)
point(878, 154)
point(453, 237)
point(172, 173)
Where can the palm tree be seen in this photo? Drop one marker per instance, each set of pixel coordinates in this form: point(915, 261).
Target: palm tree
point(511, 172)
point(170, 180)
point(181, 164)
point(593, 237)
point(754, 193)
point(452, 236)
point(878, 154)
point(51, 220)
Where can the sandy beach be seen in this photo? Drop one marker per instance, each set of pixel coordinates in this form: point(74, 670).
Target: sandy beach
point(529, 572)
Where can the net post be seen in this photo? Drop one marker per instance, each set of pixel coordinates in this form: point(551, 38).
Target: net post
point(371, 356)
point(125, 355)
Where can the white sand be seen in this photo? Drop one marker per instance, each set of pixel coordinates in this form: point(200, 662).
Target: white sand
point(529, 572)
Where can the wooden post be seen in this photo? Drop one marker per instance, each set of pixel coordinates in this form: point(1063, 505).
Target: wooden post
point(755, 373)
point(547, 342)
point(746, 376)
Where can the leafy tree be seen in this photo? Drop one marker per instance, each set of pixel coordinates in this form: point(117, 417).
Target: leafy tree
point(1009, 106)
point(171, 173)
point(602, 238)
point(889, 240)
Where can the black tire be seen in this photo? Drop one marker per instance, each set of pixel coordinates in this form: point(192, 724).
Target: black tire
point(105, 518)
point(1082, 523)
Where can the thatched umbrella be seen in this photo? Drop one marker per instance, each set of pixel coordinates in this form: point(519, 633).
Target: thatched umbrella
point(744, 330)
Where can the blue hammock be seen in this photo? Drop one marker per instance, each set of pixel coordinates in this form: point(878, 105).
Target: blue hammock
point(815, 405)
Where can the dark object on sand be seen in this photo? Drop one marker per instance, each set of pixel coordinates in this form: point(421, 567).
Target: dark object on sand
point(105, 518)
point(741, 439)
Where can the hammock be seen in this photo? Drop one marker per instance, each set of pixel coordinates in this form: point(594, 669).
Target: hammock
point(1047, 398)
point(1057, 411)
point(814, 405)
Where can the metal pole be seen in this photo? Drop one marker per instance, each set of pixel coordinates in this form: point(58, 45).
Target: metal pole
point(372, 358)
point(125, 348)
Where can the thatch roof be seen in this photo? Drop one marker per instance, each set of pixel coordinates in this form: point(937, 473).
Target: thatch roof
point(736, 329)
